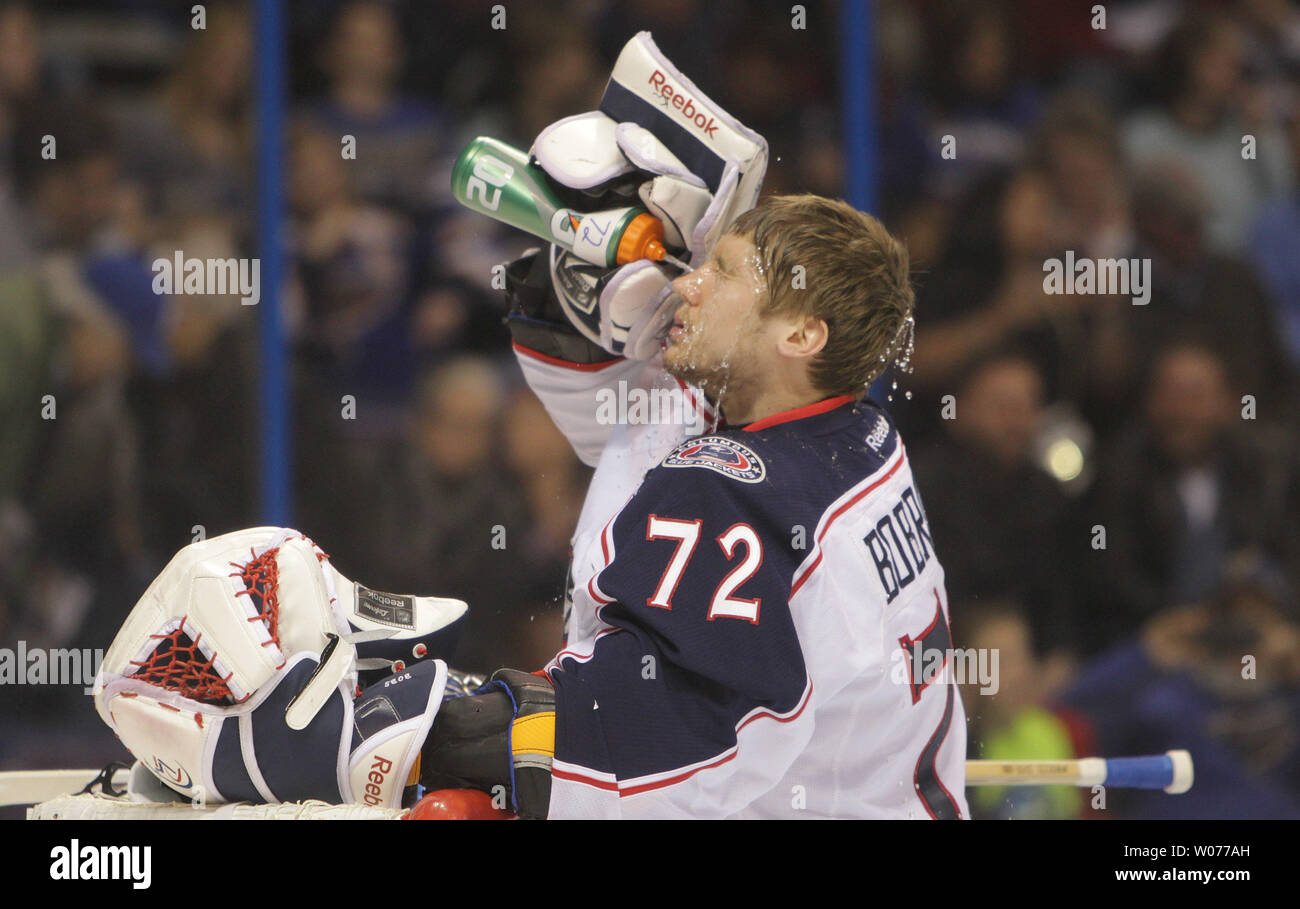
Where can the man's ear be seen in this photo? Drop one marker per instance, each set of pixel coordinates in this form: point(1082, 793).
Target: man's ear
point(804, 338)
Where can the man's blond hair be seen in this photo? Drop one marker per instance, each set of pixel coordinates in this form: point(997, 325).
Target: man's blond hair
point(825, 259)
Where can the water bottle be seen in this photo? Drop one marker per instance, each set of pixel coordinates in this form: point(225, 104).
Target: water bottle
point(499, 181)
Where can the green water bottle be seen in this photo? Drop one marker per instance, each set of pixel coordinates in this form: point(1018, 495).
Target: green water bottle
point(499, 181)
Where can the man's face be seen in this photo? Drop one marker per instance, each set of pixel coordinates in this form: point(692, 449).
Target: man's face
point(1004, 404)
point(717, 338)
point(1188, 404)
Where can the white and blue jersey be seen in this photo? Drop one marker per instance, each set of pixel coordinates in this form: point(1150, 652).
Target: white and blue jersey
point(750, 608)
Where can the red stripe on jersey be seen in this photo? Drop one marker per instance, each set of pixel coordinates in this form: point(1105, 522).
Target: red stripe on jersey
point(681, 777)
point(591, 589)
point(702, 409)
point(807, 697)
point(803, 577)
point(605, 541)
point(610, 785)
point(581, 657)
point(567, 364)
point(646, 787)
point(799, 413)
point(839, 511)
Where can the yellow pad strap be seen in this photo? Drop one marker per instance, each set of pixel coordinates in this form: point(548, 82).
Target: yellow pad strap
point(534, 734)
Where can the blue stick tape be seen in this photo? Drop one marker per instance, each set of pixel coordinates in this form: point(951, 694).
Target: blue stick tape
point(1153, 772)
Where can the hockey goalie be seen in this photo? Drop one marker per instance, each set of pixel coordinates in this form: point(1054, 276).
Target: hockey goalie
point(751, 589)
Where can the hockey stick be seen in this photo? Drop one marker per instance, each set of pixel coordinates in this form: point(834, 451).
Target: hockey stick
point(27, 787)
point(1171, 771)
point(104, 808)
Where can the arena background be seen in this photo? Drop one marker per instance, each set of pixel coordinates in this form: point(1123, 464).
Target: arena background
point(1114, 488)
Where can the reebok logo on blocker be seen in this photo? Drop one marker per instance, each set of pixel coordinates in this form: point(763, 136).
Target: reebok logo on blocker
point(659, 82)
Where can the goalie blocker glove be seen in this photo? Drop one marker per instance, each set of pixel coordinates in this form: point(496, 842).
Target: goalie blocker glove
point(691, 164)
point(501, 739)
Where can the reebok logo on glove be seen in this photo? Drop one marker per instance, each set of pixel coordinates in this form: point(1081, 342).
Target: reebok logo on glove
point(659, 82)
point(378, 775)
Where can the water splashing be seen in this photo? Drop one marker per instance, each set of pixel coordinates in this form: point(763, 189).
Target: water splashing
point(901, 350)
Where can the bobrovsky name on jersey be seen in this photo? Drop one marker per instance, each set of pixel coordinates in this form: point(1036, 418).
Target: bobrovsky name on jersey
point(900, 544)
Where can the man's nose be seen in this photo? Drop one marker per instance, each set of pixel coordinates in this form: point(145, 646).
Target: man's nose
point(688, 288)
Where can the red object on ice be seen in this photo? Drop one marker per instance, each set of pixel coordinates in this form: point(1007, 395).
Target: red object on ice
point(457, 805)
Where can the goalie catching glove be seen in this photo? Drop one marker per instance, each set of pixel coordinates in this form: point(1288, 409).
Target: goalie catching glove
point(235, 676)
point(658, 138)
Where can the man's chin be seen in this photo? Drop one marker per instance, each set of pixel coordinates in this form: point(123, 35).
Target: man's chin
point(709, 381)
point(676, 362)
point(678, 359)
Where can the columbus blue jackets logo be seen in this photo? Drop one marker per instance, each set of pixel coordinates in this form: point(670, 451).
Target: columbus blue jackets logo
point(718, 453)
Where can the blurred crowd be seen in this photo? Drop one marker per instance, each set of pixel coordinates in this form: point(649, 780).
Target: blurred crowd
point(1113, 488)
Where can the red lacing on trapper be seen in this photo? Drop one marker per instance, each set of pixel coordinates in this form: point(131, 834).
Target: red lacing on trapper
point(261, 579)
point(177, 664)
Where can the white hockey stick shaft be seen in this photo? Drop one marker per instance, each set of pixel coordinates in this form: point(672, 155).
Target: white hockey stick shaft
point(1171, 771)
point(27, 787)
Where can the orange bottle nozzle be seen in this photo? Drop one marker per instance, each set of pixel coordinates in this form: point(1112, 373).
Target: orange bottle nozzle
point(643, 238)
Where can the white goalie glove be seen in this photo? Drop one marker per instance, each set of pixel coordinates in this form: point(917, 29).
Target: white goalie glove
point(234, 678)
point(691, 164)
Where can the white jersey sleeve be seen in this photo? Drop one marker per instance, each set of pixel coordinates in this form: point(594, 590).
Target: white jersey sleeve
point(587, 401)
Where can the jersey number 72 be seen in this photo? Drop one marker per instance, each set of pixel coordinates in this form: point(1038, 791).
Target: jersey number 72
point(687, 534)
